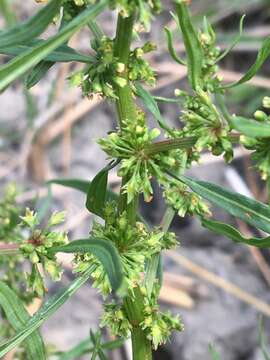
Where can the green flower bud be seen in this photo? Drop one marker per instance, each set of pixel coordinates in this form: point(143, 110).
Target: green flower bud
point(120, 81)
point(57, 218)
point(53, 269)
point(79, 2)
point(30, 218)
point(120, 67)
point(96, 86)
point(266, 102)
point(122, 223)
point(34, 258)
point(139, 53)
point(27, 248)
point(139, 130)
point(154, 133)
point(76, 79)
point(260, 115)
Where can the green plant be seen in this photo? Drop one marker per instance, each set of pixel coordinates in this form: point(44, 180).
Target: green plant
point(123, 255)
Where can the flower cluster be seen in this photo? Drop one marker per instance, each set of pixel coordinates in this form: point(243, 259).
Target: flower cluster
point(37, 247)
point(72, 8)
point(138, 68)
point(129, 145)
point(183, 200)
point(115, 317)
point(260, 146)
point(146, 9)
point(211, 53)
point(135, 244)
point(103, 74)
point(11, 233)
point(157, 325)
point(203, 121)
point(106, 72)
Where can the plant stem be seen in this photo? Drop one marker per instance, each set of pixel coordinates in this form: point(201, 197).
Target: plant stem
point(141, 348)
point(178, 143)
point(126, 110)
point(126, 107)
point(9, 249)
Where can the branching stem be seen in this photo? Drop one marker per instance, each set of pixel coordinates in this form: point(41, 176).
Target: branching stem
point(126, 109)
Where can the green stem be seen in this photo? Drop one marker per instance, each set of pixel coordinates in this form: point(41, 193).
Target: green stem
point(126, 109)
point(141, 348)
point(8, 13)
point(178, 143)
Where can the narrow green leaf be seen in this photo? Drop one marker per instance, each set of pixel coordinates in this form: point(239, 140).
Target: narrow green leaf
point(37, 73)
point(18, 317)
point(151, 273)
point(32, 28)
point(31, 107)
point(151, 104)
point(96, 339)
point(103, 250)
point(63, 53)
point(171, 48)
point(165, 100)
point(97, 192)
point(77, 184)
point(8, 12)
point(22, 63)
point(251, 211)
point(85, 347)
point(235, 41)
point(265, 351)
point(192, 45)
point(250, 127)
point(235, 235)
point(49, 308)
point(83, 186)
point(262, 56)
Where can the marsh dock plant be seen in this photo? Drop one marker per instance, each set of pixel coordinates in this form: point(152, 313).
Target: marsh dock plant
point(122, 254)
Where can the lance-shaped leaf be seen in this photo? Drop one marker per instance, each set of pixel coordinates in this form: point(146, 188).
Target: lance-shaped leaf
point(22, 63)
point(261, 58)
point(103, 250)
point(49, 308)
point(83, 186)
point(250, 127)
point(37, 73)
point(262, 340)
point(76, 184)
point(151, 104)
point(97, 192)
point(86, 347)
point(235, 41)
point(192, 45)
point(251, 211)
point(32, 28)
point(171, 47)
point(7, 12)
point(63, 53)
point(235, 235)
point(17, 316)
